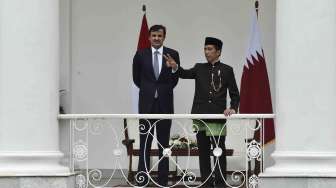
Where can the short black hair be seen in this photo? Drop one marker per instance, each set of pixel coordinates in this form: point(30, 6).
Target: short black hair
point(157, 28)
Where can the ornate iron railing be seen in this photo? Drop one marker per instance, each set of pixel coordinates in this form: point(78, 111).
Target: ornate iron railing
point(82, 127)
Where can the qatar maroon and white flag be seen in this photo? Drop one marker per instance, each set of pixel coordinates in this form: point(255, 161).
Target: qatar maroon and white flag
point(255, 94)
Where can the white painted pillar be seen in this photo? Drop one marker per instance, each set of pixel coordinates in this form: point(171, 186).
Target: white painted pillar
point(305, 90)
point(29, 79)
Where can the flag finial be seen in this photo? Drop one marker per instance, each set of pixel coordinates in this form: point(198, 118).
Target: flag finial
point(144, 8)
point(256, 6)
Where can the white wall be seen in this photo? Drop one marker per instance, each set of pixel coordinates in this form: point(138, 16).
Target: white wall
point(101, 38)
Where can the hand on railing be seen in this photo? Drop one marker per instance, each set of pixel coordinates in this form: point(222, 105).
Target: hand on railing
point(229, 112)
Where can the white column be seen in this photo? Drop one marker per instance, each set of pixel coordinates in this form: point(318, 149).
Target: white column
point(29, 69)
point(305, 89)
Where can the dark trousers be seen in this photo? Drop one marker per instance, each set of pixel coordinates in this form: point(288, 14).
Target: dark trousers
point(204, 146)
point(146, 129)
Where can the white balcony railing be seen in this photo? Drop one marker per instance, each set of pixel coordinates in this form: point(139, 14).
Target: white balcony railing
point(107, 134)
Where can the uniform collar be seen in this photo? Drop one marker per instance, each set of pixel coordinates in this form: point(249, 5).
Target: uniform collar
point(215, 64)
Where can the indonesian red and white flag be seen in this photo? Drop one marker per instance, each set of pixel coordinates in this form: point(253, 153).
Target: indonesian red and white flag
point(255, 94)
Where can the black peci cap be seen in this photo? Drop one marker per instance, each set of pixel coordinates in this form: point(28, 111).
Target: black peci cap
point(213, 41)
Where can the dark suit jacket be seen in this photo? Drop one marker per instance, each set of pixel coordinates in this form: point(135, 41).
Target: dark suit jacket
point(144, 79)
point(206, 99)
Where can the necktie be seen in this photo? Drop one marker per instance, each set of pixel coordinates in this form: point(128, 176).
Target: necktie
point(156, 69)
point(156, 64)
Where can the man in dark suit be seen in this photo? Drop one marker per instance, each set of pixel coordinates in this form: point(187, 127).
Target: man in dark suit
point(156, 82)
point(212, 81)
